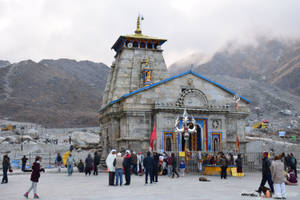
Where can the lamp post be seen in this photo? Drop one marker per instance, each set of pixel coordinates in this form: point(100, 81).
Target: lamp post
point(185, 129)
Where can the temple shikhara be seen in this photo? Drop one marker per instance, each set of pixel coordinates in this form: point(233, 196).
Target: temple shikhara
point(140, 94)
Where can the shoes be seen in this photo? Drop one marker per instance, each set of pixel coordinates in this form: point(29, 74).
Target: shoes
point(36, 196)
point(26, 195)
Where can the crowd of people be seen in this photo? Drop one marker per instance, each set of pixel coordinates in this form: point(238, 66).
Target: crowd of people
point(90, 164)
point(278, 172)
point(152, 165)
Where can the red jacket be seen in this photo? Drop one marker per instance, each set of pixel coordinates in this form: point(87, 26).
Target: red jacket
point(36, 169)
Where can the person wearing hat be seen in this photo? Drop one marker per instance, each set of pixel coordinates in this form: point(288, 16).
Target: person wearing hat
point(127, 165)
point(266, 173)
point(111, 168)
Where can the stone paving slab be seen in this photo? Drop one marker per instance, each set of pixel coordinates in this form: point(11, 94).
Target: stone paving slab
point(80, 187)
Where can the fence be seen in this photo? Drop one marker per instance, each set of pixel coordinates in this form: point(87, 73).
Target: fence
point(48, 159)
point(251, 161)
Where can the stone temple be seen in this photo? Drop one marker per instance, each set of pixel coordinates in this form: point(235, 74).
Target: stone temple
point(140, 93)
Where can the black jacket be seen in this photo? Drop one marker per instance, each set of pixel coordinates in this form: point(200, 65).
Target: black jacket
point(148, 163)
point(266, 164)
point(174, 163)
point(127, 162)
point(96, 159)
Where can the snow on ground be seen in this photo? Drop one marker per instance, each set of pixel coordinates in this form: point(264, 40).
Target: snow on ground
point(80, 187)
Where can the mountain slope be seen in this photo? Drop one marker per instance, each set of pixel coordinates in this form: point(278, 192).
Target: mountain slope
point(276, 61)
point(54, 93)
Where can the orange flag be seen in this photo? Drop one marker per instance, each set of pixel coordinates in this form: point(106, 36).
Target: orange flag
point(238, 143)
point(153, 137)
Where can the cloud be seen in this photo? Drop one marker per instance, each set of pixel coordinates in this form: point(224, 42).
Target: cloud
point(86, 29)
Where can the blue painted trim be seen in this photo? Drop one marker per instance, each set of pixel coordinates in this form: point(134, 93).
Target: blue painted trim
point(169, 79)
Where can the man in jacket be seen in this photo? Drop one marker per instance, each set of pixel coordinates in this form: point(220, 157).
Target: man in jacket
point(5, 167)
point(118, 163)
point(127, 165)
point(96, 163)
point(155, 166)
point(266, 173)
point(24, 160)
point(224, 164)
point(148, 165)
point(134, 163)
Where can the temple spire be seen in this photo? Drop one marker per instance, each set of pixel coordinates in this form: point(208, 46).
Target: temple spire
point(138, 31)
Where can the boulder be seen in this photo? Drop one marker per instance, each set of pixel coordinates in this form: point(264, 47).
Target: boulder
point(1, 139)
point(286, 112)
point(84, 138)
point(26, 138)
point(11, 139)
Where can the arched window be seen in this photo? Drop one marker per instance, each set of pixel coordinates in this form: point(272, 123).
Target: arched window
point(168, 144)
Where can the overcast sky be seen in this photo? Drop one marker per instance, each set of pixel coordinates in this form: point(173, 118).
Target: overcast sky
point(86, 29)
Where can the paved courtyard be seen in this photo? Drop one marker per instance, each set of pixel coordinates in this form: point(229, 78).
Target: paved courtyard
point(54, 186)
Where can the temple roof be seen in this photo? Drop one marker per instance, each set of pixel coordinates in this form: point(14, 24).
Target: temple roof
point(169, 79)
point(137, 36)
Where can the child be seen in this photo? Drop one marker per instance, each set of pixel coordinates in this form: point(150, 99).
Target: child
point(182, 167)
point(35, 175)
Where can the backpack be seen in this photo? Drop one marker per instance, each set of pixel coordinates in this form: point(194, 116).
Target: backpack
point(169, 161)
point(293, 161)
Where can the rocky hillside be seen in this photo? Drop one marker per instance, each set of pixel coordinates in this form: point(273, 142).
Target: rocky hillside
point(276, 61)
point(267, 73)
point(54, 93)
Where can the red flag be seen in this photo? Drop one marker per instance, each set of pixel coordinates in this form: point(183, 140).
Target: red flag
point(238, 143)
point(153, 136)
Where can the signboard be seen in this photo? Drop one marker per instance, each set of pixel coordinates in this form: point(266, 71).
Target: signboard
point(281, 133)
point(181, 153)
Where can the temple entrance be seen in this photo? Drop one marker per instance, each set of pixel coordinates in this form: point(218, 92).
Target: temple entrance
point(216, 142)
point(194, 141)
point(216, 145)
point(168, 144)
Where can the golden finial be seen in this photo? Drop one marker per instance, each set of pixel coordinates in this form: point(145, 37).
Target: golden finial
point(138, 31)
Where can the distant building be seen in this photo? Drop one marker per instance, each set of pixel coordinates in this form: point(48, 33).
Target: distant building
point(139, 93)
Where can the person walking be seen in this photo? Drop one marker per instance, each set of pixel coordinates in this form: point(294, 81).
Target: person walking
point(88, 164)
point(24, 160)
point(266, 173)
point(110, 165)
point(277, 172)
point(5, 167)
point(293, 163)
point(174, 166)
point(239, 164)
point(127, 164)
point(70, 164)
point(155, 166)
point(96, 163)
point(118, 164)
point(148, 166)
point(35, 175)
point(58, 161)
point(224, 164)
